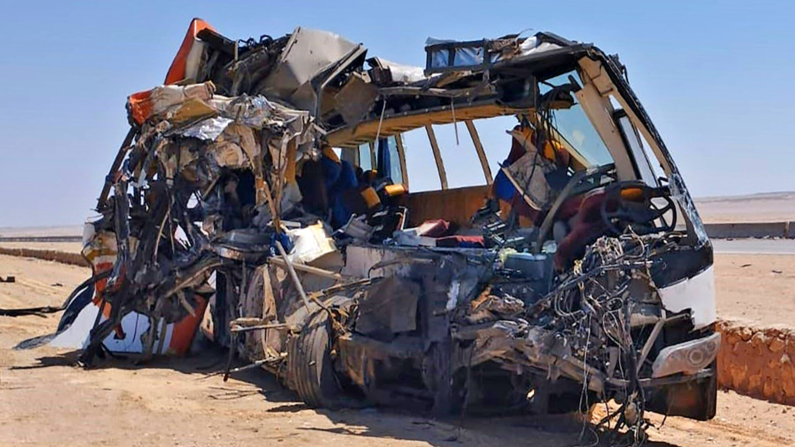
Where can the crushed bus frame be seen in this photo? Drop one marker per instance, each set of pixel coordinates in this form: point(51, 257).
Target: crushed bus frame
point(262, 195)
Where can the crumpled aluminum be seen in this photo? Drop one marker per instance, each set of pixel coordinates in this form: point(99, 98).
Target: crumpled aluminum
point(208, 129)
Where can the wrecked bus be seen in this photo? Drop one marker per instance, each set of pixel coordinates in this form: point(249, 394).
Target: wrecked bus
point(262, 198)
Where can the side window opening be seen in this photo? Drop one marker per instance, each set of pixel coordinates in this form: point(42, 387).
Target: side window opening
point(420, 162)
point(460, 158)
point(614, 102)
point(364, 157)
point(649, 167)
point(654, 162)
point(632, 139)
point(495, 137)
point(461, 161)
point(650, 171)
point(388, 160)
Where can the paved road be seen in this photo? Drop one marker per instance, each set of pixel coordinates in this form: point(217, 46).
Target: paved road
point(755, 246)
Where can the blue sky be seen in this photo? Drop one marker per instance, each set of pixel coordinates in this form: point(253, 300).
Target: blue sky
point(713, 76)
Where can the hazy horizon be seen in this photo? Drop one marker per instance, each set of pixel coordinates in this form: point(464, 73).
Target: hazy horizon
point(729, 209)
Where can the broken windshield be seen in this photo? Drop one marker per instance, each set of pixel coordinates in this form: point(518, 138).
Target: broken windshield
point(574, 127)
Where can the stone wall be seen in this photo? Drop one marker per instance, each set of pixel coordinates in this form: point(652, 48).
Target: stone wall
point(47, 255)
point(751, 230)
point(757, 362)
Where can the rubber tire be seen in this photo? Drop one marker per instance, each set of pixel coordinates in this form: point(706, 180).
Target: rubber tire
point(310, 366)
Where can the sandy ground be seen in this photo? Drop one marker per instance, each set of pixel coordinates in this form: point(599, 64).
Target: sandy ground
point(44, 400)
point(38, 283)
point(756, 288)
point(767, 207)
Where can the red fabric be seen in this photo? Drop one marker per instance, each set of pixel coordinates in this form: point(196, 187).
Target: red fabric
point(521, 207)
point(461, 242)
point(585, 229)
point(570, 207)
point(434, 228)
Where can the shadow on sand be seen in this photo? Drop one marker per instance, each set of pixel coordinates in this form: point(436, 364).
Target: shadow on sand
point(376, 423)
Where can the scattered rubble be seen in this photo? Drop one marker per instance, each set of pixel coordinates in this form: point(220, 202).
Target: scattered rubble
point(262, 194)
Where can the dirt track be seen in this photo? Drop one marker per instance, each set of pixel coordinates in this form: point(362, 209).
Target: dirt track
point(46, 401)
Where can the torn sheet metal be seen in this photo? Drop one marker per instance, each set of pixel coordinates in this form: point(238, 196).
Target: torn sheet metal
point(368, 262)
point(299, 63)
point(212, 159)
point(388, 308)
point(131, 335)
point(534, 45)
point(355, 99)
point(144, 105)
point(389, 73)
point(208, 129)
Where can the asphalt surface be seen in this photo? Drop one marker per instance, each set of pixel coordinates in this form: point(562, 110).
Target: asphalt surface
point(755, 246)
